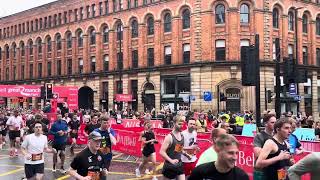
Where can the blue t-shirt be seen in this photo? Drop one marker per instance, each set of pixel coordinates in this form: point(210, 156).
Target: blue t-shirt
point(57, 126)
point(105, 146)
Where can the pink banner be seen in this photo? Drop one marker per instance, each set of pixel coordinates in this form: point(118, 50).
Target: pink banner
point(123, 97)
point(67, 94)
point(129, 123)
point(20, 91)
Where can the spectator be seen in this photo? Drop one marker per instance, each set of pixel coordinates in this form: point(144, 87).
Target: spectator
point(201, 123)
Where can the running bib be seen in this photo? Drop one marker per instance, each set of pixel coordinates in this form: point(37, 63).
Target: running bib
point(36, 157)
point(178, 148)
point(94, 175)
point(105, 150)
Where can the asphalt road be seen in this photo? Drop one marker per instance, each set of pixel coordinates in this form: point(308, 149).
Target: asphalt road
point(122, 167)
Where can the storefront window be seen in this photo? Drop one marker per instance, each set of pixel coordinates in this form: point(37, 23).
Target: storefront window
point(169, 86)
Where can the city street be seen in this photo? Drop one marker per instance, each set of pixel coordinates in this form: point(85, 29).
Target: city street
point(12, 168)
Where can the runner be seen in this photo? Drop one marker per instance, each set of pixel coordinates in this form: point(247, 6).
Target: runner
point(308, 164)
point(210, 154)
point(91, 126)
point(15, 124)
point(32, 149)
point(259, 141)
point(108, 140)
point(3, 130)
point(60, 130)
point(171, 151)
point(148, 140)
point(190, 147)
point(227, 148)
point(74, 125)
point(89, 164)
point(274, 156)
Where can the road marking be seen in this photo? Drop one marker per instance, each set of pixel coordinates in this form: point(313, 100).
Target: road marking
point(11, 165)
point(118, 155)
point(11, 172)
point(116, 160)
point(63, 177)
point(144, 177)
point(121, 173)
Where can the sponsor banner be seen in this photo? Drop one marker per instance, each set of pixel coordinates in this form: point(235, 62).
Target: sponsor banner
point(129, 123)
point(123, 97)
point(67, 94)
point(20, 91)
point(305, 134)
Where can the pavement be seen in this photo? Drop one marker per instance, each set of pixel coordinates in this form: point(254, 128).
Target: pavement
point(122, 167)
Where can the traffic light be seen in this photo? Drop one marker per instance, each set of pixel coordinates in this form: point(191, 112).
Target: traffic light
point(269, 96)
point(290, 72)
point(222, 97)
point(248, 66)
point(43, 92)
point(49, 92)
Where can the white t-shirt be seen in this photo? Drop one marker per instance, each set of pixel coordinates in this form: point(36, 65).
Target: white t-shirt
point(35, 145)
point(15, 122)
point(189, 140)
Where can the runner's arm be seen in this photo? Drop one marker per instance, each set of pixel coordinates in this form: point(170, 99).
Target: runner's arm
point(265, 151)
point(72, 172)
point(166, 143)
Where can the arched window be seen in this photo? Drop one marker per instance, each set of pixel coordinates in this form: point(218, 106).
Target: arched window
point(105, 34)
point(30, 48)
point(69, 40)
point(318, 25)
point(134, 29)
point(290, 21)
point(14, 49)
point(39, 45)
point(186, 19)
point(220, 14)
point(80, 38)
point(150, 24)
point(275, 18)
point(22, 49)
point(92, 36)
point(49, 44)
point(7, 50)
point(167, 22)
point(305, 23)
point(58, 42)
point(119, 32)
point(244, 13)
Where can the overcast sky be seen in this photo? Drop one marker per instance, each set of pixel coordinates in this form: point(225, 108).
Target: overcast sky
point(13, 6)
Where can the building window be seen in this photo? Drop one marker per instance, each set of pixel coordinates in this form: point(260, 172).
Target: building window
point(40, 70)
point(93, 64)
point(80, 65)
point(14, 49)
point(106, 6)
point(49, 46)
point(76, 15)
point(186, 53)
point(119, 32)
point(135, 58)
point(30, 48)
point(167, 22)
point(7, 74)
point(290, 21)
point(150, 57)
point(0, 56)
point(69, 40)
point(119, 88)
point(59, 18)
point(220, 50)
point(81, 13)
point(105, 88)
point(88, 12)
point(58, 42)
point(55, 21)
point(305, 23)
point(134, 29)
point(80, 39)
point(318, 56)
point(14, 72)
point(244, 13)
point(129, 4)
point(59, 67)
point(7, 52)
point(275, 18)
point(49, 69)
point(220, 14)
point(93, 8)
point(145, 2)
point(22, 48)
point(31, 71)
point(92, 37)
point(167, 55)
point(49, 22)
point(120, 5)
point(318, 26)
point(150, 24)
point(100, 9)
point(106, 62)
point(290, 51)
point(105, 34)
point(114, 3)
point(135, 3)
point(120, 60)
point(22, 72)
point(305, 55)
point(39, 44)
point(65, 17)
point(69, 66)
point(186, 19)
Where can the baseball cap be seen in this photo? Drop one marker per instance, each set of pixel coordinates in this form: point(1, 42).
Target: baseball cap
point(95, 135)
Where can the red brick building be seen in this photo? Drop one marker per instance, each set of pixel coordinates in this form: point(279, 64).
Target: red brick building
point(163, 50)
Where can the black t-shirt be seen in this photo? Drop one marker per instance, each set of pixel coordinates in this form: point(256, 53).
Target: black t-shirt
point(3, 122)
point(208, 171)
point(317, 131)
point(74, 125)
point(86, 162)
point(90, 127)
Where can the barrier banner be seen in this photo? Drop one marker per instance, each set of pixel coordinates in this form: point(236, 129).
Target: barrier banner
point(82, 139)
point(128, 143)
point(129, 123)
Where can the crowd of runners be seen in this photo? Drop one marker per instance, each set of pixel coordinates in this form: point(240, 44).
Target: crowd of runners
point(28, 132)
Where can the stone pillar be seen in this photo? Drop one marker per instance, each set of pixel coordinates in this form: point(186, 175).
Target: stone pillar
point(110, 91)
point(125, 47)
point(175, 36)
point(96, 93)
point(301, 93)
point(196, 86)
point(142, 55)
point(197, 56)
point(75, 62)
point(85, 53)
point(157, 44)
point(315, 112)
point(112, 52)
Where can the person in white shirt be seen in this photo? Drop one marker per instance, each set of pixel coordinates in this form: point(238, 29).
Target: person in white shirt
point(15, 124)
point(32, 149)
point(190, 147)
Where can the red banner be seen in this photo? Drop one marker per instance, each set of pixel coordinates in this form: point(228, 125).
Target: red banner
point(20, 90)
point(123, 97)
point(129, 123)
point(67, 94)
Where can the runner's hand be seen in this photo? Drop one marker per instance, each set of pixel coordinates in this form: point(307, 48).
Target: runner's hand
point(284, 155)
point(174, 161)
point(86, 178)
point(28, 156)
